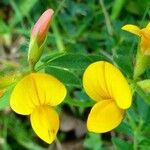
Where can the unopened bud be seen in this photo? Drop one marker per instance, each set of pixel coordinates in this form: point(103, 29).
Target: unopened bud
point(38, 36)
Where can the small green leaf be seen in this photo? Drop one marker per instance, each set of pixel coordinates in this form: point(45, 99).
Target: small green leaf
point(79, 103)
point(52, 56)
point(4, 28)
point(145, 85)
point(4, 100)
point(93, 138)
point(120, 144)
point(64, 75)
point(70, 61)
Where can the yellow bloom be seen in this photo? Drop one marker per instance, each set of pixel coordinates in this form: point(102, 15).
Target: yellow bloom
point(105, 84)
point(143, 33)
point(36, 95)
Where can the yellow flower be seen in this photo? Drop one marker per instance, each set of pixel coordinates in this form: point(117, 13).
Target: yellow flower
point(36, 95)
point(106, 85)
point(143, 33)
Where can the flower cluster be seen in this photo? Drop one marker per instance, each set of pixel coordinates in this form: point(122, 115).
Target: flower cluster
point(36, 94)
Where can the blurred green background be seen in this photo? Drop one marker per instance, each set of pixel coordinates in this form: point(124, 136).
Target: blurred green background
point(86, 31)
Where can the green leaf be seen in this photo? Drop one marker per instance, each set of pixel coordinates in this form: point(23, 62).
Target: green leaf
point(70, 61)
point(4, 100)
point(145, 85)
point(116, 8)
point(64, 75)
point(125, 64)
point(4, 28)
point(93, 141)
point(120, 144)
point(22, 9)
point(79, 103)
point(124, 128)
point(52, 56)
point(141, 93)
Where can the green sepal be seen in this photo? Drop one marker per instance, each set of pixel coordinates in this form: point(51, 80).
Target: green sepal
point(35, 51)
point(141, 64)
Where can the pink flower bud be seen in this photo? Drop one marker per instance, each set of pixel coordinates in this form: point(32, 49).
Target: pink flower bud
point(38, 36)
point(41, 27)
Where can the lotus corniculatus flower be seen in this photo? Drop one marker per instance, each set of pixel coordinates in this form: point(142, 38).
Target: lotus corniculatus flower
point(36, 95)
point(106, 85)
point(144, 33)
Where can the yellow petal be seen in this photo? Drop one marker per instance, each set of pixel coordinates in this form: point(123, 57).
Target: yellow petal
point(23, 97)
point(102, 80)
point(45, 123)
point(132, 28)
point(118, 86)
point(94, 81)
point(104, 116)
point(145, 45)
point(36, 89)
point(50, 90)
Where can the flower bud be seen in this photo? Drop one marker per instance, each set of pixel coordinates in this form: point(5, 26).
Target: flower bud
point(38, 36)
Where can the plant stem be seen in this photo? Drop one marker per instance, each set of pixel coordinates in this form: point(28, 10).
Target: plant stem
point(135, 141)
point(107, 19)
point(58, 38)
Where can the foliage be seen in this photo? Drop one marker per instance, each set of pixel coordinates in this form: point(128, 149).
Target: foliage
point(81, 32)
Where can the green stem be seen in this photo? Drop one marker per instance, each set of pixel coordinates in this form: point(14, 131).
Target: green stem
point(135, 141)
point(107, 19)
point(134, 128)
point(58, 38)
point(61, 4)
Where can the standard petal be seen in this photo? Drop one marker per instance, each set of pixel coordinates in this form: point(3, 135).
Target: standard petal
point(104, 116)
point(102, 80)
point(24, 98)
point(49, 90)
point(36, 89)
point(118, 86)
point(45, 123)
point(94, 81)
point(132, 28)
